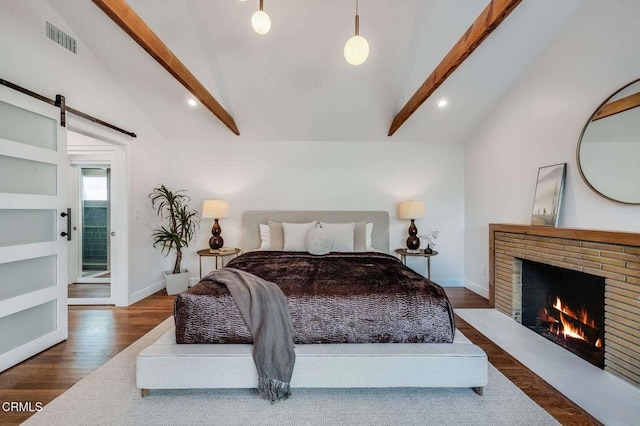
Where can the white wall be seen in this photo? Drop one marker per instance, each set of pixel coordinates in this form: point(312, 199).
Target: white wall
point(29, 59)
point(329, 176)
point(538, 123)
point(251, 175)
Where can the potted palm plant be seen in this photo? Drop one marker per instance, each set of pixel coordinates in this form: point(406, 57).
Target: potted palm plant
point(179, 230)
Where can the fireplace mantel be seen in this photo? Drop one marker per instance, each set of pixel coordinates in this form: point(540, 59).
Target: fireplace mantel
point(609, 254)
point(593, 235)
point(574, 234)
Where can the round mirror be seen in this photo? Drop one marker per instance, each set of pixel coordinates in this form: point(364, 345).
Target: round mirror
point(609, 147)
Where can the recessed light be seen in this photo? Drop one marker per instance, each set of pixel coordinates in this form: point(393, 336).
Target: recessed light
point(442, 103)
point(192, 102)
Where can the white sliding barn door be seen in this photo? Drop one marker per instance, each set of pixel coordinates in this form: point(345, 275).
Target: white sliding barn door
point(33, 254)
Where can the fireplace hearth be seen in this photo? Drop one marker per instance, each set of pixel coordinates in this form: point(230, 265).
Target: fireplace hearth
point(612, 257)
point(566, 307)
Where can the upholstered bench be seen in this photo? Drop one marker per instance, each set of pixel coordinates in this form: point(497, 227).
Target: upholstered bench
point(167, 365)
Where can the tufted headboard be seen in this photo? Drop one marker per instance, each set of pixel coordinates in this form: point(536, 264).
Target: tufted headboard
point(251, 220)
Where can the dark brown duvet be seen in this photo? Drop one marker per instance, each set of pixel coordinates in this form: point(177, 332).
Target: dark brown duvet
point(335, 298)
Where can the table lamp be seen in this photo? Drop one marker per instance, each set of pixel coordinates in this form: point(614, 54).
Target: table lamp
point(411, 210)
point(215, 209)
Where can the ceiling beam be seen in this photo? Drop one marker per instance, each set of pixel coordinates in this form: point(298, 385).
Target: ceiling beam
point(615, 107)
point(485, 23)
point(127, 19)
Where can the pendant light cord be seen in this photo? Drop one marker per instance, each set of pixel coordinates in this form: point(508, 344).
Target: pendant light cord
point(357, 20)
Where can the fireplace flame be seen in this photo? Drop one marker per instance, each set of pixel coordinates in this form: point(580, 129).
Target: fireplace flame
point(568, 330)
point(564, 321)
point(582, 315)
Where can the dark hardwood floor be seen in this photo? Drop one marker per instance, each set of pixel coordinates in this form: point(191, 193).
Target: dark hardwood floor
point(98, 333)
point(77, 290)
point(463, 298)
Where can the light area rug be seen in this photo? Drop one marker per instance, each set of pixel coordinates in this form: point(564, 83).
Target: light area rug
point(109, 396)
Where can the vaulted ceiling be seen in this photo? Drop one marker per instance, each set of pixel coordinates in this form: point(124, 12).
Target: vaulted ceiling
point(294, 83)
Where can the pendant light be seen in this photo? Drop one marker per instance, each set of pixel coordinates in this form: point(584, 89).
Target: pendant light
point(260, 21)
point(356, 49)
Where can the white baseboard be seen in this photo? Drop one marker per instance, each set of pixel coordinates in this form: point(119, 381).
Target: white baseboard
point(478, 289)
point(146, 292)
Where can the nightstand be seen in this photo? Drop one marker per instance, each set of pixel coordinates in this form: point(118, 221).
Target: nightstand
point(217, 255)
point(403, 257)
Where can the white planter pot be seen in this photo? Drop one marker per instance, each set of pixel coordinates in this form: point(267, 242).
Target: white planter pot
point(176, 283)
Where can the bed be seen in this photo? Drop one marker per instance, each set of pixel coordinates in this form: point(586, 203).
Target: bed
point(169, 365)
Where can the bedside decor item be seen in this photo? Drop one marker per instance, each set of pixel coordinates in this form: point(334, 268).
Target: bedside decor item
point(215, 209)
point(176, 234)
point(430, 239)
point(548, 195)
point(411, 210)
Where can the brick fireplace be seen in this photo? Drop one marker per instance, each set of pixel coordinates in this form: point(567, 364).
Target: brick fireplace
point(614, 256)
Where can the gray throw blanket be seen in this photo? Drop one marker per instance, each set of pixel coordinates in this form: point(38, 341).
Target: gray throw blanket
point(264, 310)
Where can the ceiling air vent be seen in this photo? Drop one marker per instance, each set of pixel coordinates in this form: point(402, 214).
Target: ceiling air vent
point(62, 38)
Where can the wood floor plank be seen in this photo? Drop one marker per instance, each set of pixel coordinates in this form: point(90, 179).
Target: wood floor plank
point(77, 290)
point(97, 333)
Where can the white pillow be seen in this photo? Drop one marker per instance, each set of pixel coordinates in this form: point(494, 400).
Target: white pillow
point(319, 241)
point(369, 230)
point(342, 235)
point(362, 237)
point(265, 237)
point(295, 234)
point(276, 236)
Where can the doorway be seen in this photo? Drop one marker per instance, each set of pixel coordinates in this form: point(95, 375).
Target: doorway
point(97, 195)
point(94, 212)
point(93, 204)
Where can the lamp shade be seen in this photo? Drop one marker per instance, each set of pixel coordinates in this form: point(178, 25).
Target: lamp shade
point(411, 209)
point(215, 209)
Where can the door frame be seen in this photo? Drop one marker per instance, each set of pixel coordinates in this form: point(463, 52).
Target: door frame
point(118, 157)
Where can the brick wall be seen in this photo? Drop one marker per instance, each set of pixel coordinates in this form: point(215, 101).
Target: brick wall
point(592, 252)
